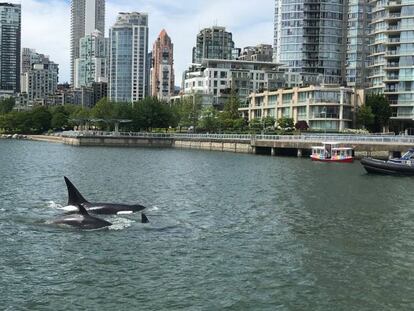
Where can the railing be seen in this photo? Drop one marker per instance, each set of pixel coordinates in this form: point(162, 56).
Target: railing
point(345, 138)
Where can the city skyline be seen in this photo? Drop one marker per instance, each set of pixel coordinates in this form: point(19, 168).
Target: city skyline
point(46, 25)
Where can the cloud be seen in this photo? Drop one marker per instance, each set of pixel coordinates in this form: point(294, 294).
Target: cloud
point(46, 24)
point(46, 28)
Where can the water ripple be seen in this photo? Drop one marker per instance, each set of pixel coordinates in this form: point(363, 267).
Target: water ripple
point(226, 232)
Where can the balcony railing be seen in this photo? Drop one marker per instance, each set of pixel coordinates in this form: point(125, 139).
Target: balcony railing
point(247, 137)
point(325, 116)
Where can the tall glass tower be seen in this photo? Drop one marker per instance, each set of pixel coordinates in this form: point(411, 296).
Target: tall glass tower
point(359, 17)
point(128, 74)
point(310, 37)
point(92, 64)
point(86, 17)
point(10, 44)
point(391, 56)
point(213, 43)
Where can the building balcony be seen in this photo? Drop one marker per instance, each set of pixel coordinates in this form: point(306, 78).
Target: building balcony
point(406, 116)
point(393, 4)
point(324, 116)
point(393, 16)
point(401, 103)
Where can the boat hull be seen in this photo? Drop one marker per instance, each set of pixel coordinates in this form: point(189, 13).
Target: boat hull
point(347, 160)
point(375, 166)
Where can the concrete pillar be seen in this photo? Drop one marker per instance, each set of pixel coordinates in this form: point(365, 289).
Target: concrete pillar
point(273, 152)
point(299, 153)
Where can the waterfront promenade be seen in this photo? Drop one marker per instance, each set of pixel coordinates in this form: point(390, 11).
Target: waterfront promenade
point(384, 145)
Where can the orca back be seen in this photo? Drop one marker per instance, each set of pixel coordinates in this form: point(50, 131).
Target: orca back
point(74, 196)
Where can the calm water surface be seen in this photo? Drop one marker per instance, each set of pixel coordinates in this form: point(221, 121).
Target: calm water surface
point(227, 232)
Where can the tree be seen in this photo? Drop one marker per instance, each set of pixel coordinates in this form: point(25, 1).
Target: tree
point(104, 109)
point(189, 109)
point(230, 118)
point(208, 120)
point(232, 105)
point(256, 124)
point(6, 105)
point(59, 120)
point(285, 123)
point(302, 126)
point(60, 117)
point(381, 110)
point(41, 119)
point(365, 117)
point(151, 113)
point(269, 121)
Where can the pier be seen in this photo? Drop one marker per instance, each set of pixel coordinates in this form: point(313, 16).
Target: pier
point(290, 145)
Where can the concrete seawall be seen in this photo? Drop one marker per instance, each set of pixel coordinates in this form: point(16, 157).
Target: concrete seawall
point(278, 145)
point(225, 146)
point(51, 139)
point(107, 141)
point(212, 145)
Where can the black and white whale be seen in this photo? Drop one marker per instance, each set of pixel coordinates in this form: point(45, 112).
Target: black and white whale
point(76, 199)
point(82, 220)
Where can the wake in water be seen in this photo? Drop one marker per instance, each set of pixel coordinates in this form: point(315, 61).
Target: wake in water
point(68, 208)
point(121, 223)
point(118, 223)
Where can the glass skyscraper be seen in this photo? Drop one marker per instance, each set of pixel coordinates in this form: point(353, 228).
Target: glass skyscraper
point(128, 74)
point(359, 16)
point(10, 44)
point(310, 37)
point(92, 64)
point(392, 56)
point(86, 17)
point(213, 43)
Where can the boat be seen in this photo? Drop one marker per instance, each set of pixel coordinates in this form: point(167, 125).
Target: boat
point(332, 152)
point(396, 166)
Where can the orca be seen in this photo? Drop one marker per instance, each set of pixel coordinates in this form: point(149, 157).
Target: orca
point(82, 220)
point(76, 199)
point(144, 219)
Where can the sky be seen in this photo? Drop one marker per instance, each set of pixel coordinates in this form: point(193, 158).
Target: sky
point(46, 25)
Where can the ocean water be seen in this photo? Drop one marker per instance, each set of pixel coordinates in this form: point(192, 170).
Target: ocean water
point(226, 232)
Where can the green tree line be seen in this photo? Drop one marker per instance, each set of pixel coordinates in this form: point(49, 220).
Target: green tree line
point(149, 114)
point(375, 114)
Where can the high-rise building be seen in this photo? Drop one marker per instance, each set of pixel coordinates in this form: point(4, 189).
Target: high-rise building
point(214, 43)
point(359, 15)
point(86, 17)
point(39, 78)
point(128, 78)
point(258, 53)
point(310, 37)
point(92, 64)
point(10, 42)
point(162, 74)
point(214, 78)
point(391, 57)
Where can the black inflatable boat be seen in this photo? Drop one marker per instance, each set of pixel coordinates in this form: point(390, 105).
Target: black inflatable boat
point(401, 166)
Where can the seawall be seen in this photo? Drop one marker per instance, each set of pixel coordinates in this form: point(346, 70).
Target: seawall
point(376, 146)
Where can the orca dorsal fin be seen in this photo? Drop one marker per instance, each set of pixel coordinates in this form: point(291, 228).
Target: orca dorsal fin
point(144, 218)
point(74, 196)
point(82, 209)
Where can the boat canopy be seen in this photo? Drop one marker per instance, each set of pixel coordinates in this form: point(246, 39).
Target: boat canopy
point(408, 155)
